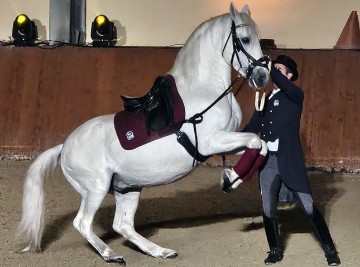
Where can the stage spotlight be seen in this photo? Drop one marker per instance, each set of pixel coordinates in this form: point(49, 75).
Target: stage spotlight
point(24, 31)
point(103, 32)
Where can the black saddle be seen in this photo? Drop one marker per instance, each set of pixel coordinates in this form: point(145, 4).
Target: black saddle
point(157, 105)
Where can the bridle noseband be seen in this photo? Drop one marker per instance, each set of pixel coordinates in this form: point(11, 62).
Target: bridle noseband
point(238, 46)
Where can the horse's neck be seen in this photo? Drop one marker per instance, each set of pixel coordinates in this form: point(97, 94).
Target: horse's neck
point(200, 60)
point(202, 75)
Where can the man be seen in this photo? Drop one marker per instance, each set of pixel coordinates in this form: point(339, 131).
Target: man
point(279, 125)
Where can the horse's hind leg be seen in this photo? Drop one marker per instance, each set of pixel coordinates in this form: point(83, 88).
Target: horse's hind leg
point(126, 205)
point(83, 222)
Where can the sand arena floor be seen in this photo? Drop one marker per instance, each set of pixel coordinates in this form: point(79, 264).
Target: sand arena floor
point(192, 216)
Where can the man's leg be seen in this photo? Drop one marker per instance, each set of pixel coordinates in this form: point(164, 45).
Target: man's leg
point(320, 227)
point(270, 185)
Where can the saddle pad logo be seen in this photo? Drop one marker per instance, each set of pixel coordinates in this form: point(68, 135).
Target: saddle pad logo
point(130, 135)
point(276, 103)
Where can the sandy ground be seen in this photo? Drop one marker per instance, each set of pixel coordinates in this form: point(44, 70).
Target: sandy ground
point(192, 216)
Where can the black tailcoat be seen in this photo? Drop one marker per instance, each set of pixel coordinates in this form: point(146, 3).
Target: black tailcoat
point(281, 119)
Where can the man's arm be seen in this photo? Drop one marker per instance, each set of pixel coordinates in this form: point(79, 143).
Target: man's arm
point(294, 92)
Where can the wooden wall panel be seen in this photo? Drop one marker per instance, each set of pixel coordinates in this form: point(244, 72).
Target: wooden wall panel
point(46, 93)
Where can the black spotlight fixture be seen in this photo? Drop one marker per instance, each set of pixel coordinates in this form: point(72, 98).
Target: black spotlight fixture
point(103, 32)
point(24, 31)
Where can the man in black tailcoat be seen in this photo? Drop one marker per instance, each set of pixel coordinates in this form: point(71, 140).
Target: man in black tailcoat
point(279, 126)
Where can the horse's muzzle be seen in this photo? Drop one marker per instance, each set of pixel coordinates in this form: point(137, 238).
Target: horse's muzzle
point(259, 77)
point(258, 73)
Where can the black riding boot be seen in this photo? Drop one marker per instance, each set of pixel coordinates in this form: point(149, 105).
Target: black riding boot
point(324, 236)
point(272, 235)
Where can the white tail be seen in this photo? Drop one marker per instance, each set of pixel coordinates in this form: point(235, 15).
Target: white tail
point(32, 219)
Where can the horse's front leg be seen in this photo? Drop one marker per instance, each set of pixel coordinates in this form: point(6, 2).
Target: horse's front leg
point(244, 169)
point(250, 161)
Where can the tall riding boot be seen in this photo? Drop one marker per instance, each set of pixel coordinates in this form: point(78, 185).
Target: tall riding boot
point(272, 235)
point(324, 236)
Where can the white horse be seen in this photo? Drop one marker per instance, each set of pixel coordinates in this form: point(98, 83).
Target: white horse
point(92, 159)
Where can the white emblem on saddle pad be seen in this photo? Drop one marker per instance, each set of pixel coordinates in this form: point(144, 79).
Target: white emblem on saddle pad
point(276, 102)
point(130, 135)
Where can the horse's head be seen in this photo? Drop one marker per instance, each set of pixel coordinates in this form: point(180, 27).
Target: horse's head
point(242, 49)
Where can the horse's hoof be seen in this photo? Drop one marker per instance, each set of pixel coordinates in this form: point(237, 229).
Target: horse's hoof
point(226, 186)
point(172, 256)
point(225, 183)
point(118, 260)
point(169, 254)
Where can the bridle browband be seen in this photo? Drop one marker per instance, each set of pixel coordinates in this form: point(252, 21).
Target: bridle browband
point(238, 46)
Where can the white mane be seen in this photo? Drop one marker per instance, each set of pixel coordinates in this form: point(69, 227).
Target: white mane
point(203, 49)
point(201, 57)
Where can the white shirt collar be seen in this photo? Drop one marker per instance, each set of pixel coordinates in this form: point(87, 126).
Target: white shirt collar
point(274, 91)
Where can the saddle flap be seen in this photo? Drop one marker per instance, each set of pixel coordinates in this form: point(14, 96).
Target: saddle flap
point(131, 129)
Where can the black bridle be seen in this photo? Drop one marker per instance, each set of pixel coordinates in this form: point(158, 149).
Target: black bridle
point(238, 46)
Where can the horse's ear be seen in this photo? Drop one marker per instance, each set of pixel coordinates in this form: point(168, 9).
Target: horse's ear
point(233, 12)
point(246, 10)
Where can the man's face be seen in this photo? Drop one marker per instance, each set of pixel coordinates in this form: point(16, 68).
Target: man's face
point(282, 68)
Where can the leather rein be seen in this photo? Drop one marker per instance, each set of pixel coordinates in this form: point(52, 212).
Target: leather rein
point(237, 47)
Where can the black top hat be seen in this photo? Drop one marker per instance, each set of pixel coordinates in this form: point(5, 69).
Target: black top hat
point(289, 63)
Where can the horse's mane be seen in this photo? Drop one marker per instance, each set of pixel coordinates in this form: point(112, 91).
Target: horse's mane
point(205, 43)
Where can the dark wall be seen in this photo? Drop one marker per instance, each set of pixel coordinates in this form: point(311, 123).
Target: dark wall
point(46, 93)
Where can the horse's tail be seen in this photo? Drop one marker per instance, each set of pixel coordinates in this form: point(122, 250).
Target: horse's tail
point(32, 220)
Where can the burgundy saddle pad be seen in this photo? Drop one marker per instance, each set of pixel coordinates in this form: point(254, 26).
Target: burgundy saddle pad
point(131, 129)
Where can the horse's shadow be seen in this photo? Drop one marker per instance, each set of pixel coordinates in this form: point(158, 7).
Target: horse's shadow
point(203, 207)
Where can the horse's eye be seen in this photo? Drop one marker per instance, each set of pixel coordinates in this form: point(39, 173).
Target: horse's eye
point(245, 40)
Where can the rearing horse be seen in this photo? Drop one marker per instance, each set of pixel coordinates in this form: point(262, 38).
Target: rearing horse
point(93, 161)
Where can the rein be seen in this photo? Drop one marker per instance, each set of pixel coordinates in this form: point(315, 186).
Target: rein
point(198, 117)
point(237, 47)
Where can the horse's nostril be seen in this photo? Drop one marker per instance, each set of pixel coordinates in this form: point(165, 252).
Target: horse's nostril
point(263, 78)
point(261, 81)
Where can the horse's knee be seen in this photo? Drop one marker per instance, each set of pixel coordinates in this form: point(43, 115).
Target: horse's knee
point(255, 142)
point(264, 149)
